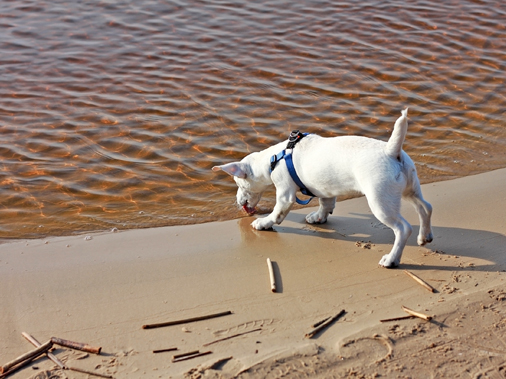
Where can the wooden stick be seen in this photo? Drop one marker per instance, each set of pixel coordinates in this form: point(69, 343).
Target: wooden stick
point(170, 323)
point(177, 356)
point(325, 324)
point(416, 314)
point(198, 354)
point(316, 324)
point(76, 345)
point(233, 336)
point(165, 350)
point(271, 275)
point(27, 356)
point(19, 366)
point(397, 318)
point(420, 281)
point(51, 356)
point(90, 372)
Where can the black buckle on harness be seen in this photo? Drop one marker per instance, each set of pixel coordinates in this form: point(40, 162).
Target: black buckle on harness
point(295, 136)
point(274, 162)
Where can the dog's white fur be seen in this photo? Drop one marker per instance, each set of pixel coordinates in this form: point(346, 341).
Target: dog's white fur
point(331, 167)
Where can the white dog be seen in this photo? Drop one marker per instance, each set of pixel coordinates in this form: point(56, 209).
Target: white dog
point(331, 167)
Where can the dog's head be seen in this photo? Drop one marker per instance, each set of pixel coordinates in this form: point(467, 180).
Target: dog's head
point(251, 184)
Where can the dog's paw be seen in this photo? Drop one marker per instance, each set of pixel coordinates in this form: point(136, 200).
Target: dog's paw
point(387, 262)
point(262, 224)
point(422, 240)
point(316, 218)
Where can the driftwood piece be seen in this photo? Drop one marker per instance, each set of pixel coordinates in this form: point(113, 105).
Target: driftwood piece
point(76, 345)
point(271, 275)
point(52, 357)
point(397, 318)
point(164, 350)
point(27, 356)
point(190, 355)
point(324, 324)
point(420, 281)
point(317, 324)
point(177, 356)
point(233, 336)
point(19, 366)
point(36, 343)
point(91, 372)
point(193, 319)
point(416, 314)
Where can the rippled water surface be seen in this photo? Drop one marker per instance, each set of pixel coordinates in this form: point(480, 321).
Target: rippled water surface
point(112, 113)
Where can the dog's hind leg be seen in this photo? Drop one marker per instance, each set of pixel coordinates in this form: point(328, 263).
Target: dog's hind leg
point(388, 212)
point(424, 210)
point(320, 216)
point(402, 230)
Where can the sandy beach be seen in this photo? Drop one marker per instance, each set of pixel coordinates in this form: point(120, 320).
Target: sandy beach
point(102, 288)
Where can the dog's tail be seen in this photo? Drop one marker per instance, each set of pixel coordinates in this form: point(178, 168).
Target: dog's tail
point(394, 144)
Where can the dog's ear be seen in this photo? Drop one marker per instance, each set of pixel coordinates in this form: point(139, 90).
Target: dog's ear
point(235, 169)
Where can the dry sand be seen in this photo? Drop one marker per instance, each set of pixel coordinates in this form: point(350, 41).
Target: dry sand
point(102, 290)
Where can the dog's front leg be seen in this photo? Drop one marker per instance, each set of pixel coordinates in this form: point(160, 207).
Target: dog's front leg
point(284, 200)
point(320, 216)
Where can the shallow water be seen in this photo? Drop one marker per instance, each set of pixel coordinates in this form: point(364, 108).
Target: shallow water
point(112, 113)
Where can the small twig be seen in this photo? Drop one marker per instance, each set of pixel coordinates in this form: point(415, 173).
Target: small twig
point(317, 324)
point(271, 275)
point(27, 356)
point(178, 322)
point(233, 336)
point(416, 314)
point(36, 343)
point(19, 366)
point(177, 356)
point(52, 357)
point(420, 281)
point(165, 350)
point(90, 372)
point(189, 356)
point(325, 324)
point(397, 318)
point(76, 345)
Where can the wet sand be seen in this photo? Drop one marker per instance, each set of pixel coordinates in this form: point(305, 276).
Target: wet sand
point(102, 288)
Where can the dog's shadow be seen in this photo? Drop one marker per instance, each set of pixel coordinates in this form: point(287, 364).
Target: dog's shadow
point(363, 228)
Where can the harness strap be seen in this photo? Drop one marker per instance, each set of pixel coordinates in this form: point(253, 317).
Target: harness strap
point(295, 137)
point(296, 179)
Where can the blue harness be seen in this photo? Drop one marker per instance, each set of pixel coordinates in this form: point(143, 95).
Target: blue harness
point(295, 137)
